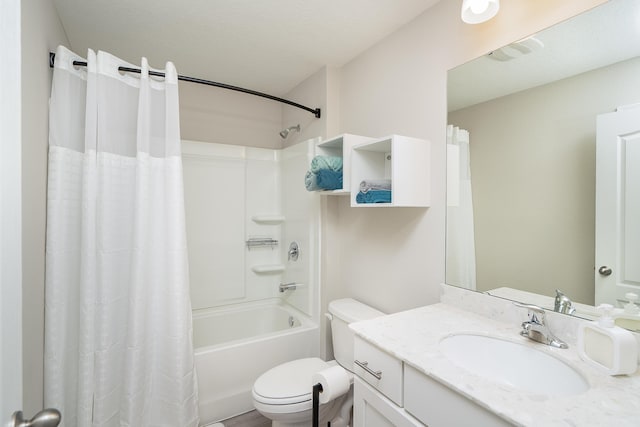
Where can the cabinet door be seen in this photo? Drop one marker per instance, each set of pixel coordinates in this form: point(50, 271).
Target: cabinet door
point(372, 409)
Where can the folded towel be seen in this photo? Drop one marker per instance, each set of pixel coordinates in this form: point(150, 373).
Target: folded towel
point(311, 181)
point(326, 162)
point(324, 179)
point(328, 179)
point(374, 196)
point(375, 184)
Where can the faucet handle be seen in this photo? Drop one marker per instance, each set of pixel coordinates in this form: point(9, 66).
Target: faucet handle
point(536, 329)
point(535, 311)
point(532, 307)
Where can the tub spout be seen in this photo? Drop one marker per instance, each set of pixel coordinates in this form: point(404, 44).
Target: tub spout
point(286, 286)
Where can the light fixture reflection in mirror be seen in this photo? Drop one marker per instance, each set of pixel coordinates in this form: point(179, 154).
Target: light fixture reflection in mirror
point(532, 148)
point(478, 11)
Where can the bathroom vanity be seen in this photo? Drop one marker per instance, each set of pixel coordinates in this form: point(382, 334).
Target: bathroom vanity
point(404, 376)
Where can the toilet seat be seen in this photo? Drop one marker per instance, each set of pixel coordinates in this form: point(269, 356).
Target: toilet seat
point(288, 387)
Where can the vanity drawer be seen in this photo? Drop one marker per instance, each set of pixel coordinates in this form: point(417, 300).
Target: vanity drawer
point(379, 369)
point(436, 405)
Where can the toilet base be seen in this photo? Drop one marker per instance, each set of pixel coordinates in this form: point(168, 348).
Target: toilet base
point(339, 414)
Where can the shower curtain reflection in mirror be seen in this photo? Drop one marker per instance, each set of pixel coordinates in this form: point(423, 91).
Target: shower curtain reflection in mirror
point(118, 340)
point(461, 254)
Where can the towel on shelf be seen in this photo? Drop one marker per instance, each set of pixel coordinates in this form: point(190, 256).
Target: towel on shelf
point(326, 162)
point(324, 179)
point(374, 196)
point(311, 181)
point(375, 184)
point(329, 179)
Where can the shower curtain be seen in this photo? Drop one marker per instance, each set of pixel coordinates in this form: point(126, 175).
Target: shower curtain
point(118, 340)
point(461, 251)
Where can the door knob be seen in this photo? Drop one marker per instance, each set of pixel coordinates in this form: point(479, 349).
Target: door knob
point(605, 271)
point(294, 251)
point(45, 418)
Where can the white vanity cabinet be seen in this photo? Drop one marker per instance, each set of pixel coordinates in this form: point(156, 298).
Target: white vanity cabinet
point(403, 160)
point(390, 393)
point(378, 389)
point(372, 409)
point(437, 405)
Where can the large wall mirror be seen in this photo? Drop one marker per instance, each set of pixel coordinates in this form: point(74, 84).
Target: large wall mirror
point(522, 155)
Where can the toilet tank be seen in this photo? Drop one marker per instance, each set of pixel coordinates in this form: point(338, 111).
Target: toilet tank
point(345, 311)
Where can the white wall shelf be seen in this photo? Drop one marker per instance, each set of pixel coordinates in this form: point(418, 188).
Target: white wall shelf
point(340, 146)
point(405, 161)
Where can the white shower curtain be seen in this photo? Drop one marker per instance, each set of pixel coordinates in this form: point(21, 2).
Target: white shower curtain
point(461, 251)
point(118, 340)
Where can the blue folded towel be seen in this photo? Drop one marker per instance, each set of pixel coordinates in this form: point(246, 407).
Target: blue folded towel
point(311, 181)
point(326, 162)
point(374, 196)
point(328, 179)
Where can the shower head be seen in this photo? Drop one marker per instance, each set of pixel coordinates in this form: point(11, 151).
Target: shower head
point(285, 133)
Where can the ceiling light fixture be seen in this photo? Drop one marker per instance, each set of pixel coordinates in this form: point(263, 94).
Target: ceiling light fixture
point(478, 11)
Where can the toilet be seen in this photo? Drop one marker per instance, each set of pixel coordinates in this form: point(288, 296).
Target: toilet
point(283, 394)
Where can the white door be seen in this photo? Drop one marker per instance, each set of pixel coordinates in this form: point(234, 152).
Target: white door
point(617, 268)
point(10, 231)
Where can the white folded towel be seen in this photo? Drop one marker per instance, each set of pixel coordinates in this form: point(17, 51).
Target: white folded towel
point(375, 184)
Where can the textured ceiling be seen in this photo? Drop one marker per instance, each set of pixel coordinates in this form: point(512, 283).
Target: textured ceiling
point(265, 45)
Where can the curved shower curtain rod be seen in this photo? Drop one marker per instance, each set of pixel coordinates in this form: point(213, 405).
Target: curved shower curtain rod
point(314, 111)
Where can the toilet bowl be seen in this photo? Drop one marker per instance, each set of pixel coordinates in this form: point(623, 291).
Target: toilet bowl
point(284, 393)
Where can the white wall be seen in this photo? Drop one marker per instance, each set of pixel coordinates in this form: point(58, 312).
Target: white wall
point(223, 116)
point(394, 259)
point(533, 175)
point(311, 93)
point(10, 213)
point(41, 33)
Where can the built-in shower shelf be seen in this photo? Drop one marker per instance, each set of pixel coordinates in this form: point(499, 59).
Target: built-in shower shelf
point(268, 268)
point(268, 219)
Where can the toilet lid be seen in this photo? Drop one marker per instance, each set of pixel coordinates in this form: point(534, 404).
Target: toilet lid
point(288, 383)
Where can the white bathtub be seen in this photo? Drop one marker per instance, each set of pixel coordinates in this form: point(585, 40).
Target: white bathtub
point(235, 345)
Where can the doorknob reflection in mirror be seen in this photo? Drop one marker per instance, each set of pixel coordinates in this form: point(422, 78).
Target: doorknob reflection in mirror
point(605, 271)
point(45, 418)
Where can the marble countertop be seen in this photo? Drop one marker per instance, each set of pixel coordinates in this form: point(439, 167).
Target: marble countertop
point(413, 336)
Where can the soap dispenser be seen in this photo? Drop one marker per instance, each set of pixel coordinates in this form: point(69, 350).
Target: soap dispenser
point(606, 346)
point(629, 318)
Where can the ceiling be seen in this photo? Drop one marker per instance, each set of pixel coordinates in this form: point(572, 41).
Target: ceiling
point(605, 35)
point(264, 45)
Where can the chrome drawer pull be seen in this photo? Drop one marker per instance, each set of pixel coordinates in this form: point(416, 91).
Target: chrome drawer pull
point(365, 366)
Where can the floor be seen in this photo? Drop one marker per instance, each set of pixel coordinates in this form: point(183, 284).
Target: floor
point(250, 419)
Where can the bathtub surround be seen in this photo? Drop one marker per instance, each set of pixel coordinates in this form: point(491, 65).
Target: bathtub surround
point(236, 196)
point(118, 346)
point(244, 206)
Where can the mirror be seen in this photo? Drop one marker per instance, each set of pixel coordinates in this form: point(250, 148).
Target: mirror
point(530, 110)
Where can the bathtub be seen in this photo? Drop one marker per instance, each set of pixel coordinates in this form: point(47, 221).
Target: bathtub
point(234, 345)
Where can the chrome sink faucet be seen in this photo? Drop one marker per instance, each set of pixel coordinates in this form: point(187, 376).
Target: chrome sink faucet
point(563, 304)
point(536, 329)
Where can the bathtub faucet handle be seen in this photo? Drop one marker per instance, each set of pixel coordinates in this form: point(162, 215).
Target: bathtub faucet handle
point(287, 286)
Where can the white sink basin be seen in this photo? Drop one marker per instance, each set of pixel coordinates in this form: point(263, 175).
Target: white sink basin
point(513, 364)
